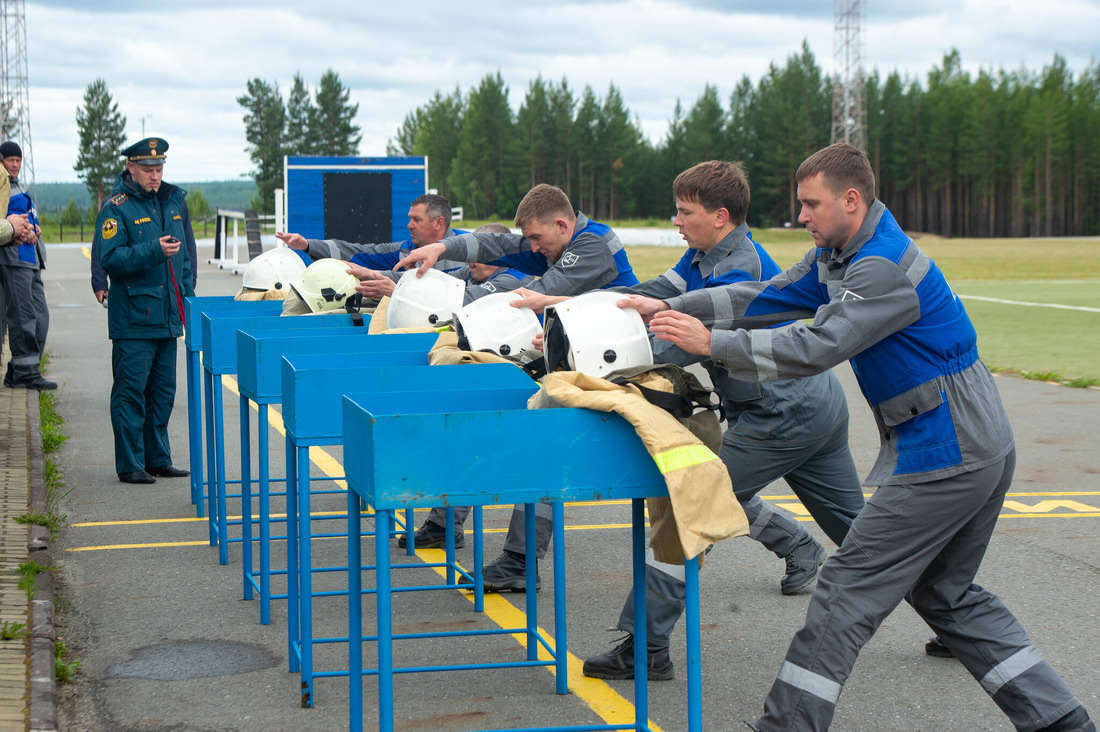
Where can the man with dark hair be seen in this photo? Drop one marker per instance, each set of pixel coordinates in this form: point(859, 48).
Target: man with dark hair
point(946, 458)
point(26, 315)
point(138, 244)
point(429, 221)
point(569, 254)
point(795, 429)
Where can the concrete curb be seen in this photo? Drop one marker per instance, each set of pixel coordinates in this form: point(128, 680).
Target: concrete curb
point(42, 714)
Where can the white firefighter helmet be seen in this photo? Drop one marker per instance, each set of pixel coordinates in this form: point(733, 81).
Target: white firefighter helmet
point(420, 301)
point(591, 334)
point(490, 323)
point(325, 285)
point(273, 270)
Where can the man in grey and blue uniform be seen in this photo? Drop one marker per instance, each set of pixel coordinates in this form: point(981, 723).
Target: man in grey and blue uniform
point(569, 254)
point(794, 429)
point(946, 458)
point(25, 312)
point(429, 221)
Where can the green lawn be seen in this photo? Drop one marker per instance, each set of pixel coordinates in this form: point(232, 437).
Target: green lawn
point(1064, 344)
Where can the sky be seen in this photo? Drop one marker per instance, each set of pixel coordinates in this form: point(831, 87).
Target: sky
point(176, 69)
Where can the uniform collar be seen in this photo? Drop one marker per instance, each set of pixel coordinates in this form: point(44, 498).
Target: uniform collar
point(707, 261)
point(866, 231)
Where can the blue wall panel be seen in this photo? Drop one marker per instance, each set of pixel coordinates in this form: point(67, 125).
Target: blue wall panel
point(305, 189)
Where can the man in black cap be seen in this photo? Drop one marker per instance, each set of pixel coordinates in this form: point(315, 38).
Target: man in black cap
point(137, 242)
point(25, 313)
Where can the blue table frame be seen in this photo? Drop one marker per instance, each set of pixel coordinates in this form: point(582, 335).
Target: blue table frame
point(474, 455)
point(219, 358)
point(313, 388)
point(259, 361)
point(193, 308)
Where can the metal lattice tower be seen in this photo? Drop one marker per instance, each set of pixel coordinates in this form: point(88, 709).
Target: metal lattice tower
point(15, 108)
point(849, 121)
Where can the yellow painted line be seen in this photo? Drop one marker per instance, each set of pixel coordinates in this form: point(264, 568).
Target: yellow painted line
point(137, 546)
point(607, 703)
point(1094, 514)
point(1048, 506)
point(87, 253)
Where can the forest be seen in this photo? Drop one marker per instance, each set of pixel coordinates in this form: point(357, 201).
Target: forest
point(1002, 153)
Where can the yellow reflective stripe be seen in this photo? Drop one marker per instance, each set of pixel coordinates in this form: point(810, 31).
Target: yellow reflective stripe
point(683, 457)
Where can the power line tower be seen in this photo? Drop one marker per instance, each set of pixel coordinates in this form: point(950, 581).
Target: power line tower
point(849, 121)
point(15, 107)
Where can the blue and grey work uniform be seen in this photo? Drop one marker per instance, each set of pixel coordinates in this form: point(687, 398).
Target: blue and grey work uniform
point(794, 429)
point(381, 257)
point(144, 317)
point(504, 279)
point(25, 313)
point(945, 463)
point(593, 259)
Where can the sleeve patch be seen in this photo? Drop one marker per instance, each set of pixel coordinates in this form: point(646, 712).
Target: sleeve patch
point(110, 228)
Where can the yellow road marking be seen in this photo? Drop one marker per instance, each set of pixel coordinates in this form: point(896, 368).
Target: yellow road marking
point(137, 546)
point(597, 694)
point(1048, 506)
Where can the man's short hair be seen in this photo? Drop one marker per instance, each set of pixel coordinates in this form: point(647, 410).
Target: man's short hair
point(843, 166)
point(544, 203)
point(715, 184)
point(435, 206)
point(493, 227)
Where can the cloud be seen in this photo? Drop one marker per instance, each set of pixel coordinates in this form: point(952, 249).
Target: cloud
point(183, 67)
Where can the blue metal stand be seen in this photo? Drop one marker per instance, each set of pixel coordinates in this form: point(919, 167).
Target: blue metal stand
point(476, 452)
point(313, 389)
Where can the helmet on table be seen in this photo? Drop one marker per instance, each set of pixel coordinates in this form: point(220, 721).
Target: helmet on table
point(490, 323)
point(423, 301)
point(590, 333)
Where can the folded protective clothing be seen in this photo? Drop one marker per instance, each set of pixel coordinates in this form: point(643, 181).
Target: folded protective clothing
point(700, 508)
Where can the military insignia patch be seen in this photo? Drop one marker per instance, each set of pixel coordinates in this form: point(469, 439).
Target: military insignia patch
point(110, 228)
point(153, 144)
point(118, 199)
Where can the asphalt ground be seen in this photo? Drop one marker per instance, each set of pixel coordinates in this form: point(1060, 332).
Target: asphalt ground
point(166, 641)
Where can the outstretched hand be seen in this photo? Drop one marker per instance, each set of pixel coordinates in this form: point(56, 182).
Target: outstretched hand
point(423, 258)
point(647, 307)
point(682, 330)
point(294, 241)
point(537, 301)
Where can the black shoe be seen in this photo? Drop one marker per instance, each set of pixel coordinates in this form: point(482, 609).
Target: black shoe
point(935, 647)
point(429, 536)
point(506, 572)
point(38, 382)
point(619, 663)
point(1076, 721)
point(136, 476)
point(803, 566)
point(168, 471)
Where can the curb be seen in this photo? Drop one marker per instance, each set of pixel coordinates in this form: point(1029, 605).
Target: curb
point(42, 713)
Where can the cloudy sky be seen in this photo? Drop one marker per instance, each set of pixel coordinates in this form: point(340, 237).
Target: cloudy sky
point(181, 66)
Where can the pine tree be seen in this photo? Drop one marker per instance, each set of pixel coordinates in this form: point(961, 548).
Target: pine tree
point(299, 119)
point(331, 130)
point(264, 124)
point(102, 135)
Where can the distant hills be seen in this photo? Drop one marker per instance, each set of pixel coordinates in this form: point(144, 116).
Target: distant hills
point(53, 197)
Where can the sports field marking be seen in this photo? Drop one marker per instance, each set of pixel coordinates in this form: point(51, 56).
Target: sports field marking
point(1030, 304)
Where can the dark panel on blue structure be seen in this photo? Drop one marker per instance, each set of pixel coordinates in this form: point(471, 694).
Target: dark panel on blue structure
point(306, 190)
point(358, 207)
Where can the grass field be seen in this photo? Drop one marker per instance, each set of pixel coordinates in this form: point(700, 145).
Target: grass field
point(1022, 335)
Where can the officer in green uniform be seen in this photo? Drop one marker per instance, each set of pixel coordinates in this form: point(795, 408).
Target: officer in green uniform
point(138, 235)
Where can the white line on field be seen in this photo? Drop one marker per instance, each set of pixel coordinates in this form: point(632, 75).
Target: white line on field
point(1030, 304)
